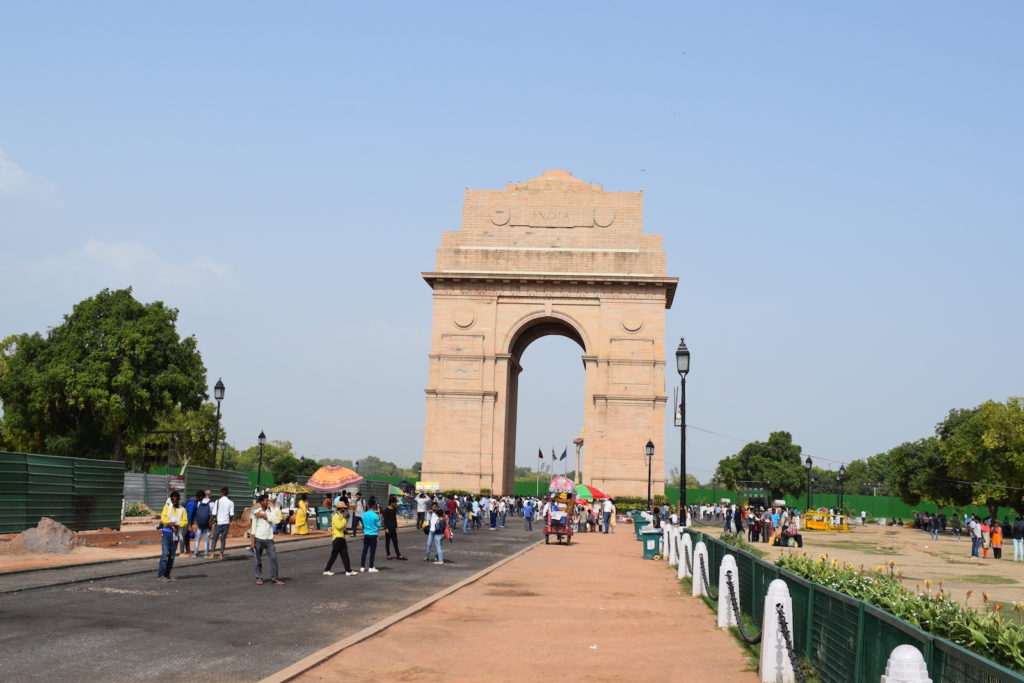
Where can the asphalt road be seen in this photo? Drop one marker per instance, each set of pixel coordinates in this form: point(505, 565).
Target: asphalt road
point(214, 621)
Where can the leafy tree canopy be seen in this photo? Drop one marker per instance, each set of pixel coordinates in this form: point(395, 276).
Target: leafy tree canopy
point(101, 379)
point(777, 460)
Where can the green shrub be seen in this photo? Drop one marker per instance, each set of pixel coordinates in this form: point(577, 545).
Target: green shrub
point(738, 541)
point(137, 510)
point(986, 633)
point(627, 503)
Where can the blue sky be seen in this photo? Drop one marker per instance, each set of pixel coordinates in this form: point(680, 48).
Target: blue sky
point(839, 190)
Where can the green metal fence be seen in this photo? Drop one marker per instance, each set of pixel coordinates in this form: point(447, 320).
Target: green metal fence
point(847, 640)
point(77, 492)
point(212, 480)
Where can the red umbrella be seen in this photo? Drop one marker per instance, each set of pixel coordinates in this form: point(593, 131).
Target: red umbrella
point(333, 478)
point(587, 491)
point(562, 485)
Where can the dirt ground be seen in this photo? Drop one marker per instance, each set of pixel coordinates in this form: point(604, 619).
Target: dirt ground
point(594, 611)
point(921, 558)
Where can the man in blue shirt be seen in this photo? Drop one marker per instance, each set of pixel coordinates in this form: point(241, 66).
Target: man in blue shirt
point(528, 515)
point(371, 527)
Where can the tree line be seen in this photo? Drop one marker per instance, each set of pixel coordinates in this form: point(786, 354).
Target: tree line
point(115, 380)
point(974, 457)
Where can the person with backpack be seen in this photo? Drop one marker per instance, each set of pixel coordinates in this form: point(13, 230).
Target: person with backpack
point(434, 529)
point(189, 532)
point(201, 523)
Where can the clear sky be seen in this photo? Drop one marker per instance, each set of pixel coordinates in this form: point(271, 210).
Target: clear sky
point(839, 187)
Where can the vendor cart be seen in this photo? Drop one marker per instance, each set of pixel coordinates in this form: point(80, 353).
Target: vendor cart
point(558, 520)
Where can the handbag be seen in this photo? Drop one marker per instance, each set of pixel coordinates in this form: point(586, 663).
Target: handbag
point(291, 519)
point(448, 532)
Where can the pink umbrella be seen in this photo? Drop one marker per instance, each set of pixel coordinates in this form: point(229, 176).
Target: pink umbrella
point(562, 485)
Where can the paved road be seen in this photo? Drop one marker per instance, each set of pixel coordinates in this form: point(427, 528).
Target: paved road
point(214, 621)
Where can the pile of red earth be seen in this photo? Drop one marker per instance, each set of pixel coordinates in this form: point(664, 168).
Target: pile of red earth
point(48, 537)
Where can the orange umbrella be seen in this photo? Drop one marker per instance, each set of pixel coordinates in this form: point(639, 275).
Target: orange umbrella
point(333, 478)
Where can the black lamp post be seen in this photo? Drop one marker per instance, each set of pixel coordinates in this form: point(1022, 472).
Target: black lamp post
point(259, 472)
point(842, 475)
point(807, 463)
point(682, 367)
point(218, 393)
point(649, 453)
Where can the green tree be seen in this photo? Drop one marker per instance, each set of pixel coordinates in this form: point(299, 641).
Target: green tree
point(181, 437)
point(101, 379)
point(984, 445)
point(776, 460)
point(249, 459)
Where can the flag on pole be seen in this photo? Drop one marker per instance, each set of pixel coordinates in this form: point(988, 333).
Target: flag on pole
point(565, 452)
point(540, 454)
point(553, 456)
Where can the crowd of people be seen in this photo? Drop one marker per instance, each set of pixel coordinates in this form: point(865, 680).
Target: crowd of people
point(205, 522)
point(775, 525)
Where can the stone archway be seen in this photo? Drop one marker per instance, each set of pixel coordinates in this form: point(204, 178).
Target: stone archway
point(554, 255)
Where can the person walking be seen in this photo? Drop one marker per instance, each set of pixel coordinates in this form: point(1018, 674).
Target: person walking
point(358, 508)
point(391, 528)
point(528, 515)
point(422, 501)
point(174, 519)
point(435, 534)
point(339, 547)
point(974, 529)
point(371, 527)
point(467, 514)
point(186, 536)
point(223, 511)
point(933, 527)
point(956, 528)
point(201, 522)
point(261, 539)
point(997, 540)
point(302, 517)
point(1017, 534)
point(606, 514)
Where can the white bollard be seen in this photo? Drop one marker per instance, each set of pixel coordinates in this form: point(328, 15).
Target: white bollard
point(673, 547)
point(685, 551)
point(664, 541)
point(906, 665)
point(775, 666)
point(726, 615)
point(700, 551)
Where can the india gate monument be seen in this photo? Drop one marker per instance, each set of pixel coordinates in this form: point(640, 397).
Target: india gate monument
point(553, 255)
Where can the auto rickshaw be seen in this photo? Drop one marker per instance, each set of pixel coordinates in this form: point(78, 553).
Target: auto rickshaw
point(558, 521)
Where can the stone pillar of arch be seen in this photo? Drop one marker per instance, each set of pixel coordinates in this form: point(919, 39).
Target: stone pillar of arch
point(553, 255)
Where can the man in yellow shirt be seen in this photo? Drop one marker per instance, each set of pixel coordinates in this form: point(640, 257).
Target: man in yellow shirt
point(173, 518)
point(261, 538)
point(338, 544)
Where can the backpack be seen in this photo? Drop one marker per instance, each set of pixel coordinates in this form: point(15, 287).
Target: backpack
point(203, 515)
point(441, 524)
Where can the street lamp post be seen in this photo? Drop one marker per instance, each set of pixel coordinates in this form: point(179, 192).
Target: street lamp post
point(649, 453)
point(842, 475)
point(218, 393)
point(259, 472)
point(807, 463)
point(682, 367)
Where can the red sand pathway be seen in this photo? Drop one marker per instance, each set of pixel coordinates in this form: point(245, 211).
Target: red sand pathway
point(593, 611)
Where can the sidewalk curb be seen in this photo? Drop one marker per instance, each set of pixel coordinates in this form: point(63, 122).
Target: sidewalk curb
point(131, 572)
point(303, 665)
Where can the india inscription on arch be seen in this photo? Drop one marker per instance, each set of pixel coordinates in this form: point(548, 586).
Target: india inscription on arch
point(553, 255)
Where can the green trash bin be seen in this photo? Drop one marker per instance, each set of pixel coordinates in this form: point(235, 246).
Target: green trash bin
point(651, 540)
point(323, 519)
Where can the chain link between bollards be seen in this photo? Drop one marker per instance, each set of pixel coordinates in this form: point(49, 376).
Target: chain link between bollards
point(704, 578)
point(753, 640)
point(784, 627)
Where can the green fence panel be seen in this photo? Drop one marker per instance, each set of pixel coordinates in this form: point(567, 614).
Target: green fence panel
point(800, 591)
point(836, 619)
point(208, 479)
point(881, 634)
point(954, 664)
point(80, 493)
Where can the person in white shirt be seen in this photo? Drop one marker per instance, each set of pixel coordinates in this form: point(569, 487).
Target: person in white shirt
point(421, 508)
point(261, 538)
point(223, 511)
point(606, 514)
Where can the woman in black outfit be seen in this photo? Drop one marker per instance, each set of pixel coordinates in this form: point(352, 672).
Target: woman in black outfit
point(391, 528)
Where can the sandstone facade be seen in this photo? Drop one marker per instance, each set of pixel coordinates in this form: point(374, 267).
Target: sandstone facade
point(554, 255)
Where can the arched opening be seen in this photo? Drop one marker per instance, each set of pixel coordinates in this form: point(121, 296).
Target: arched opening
point(553, 403)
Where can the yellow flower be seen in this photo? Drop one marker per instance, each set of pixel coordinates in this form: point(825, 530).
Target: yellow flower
point(928, 583)
point(880, 569)
point(984, 597)
point(997, 607)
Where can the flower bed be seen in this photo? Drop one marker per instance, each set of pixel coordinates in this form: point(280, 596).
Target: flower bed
point(984, 632)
